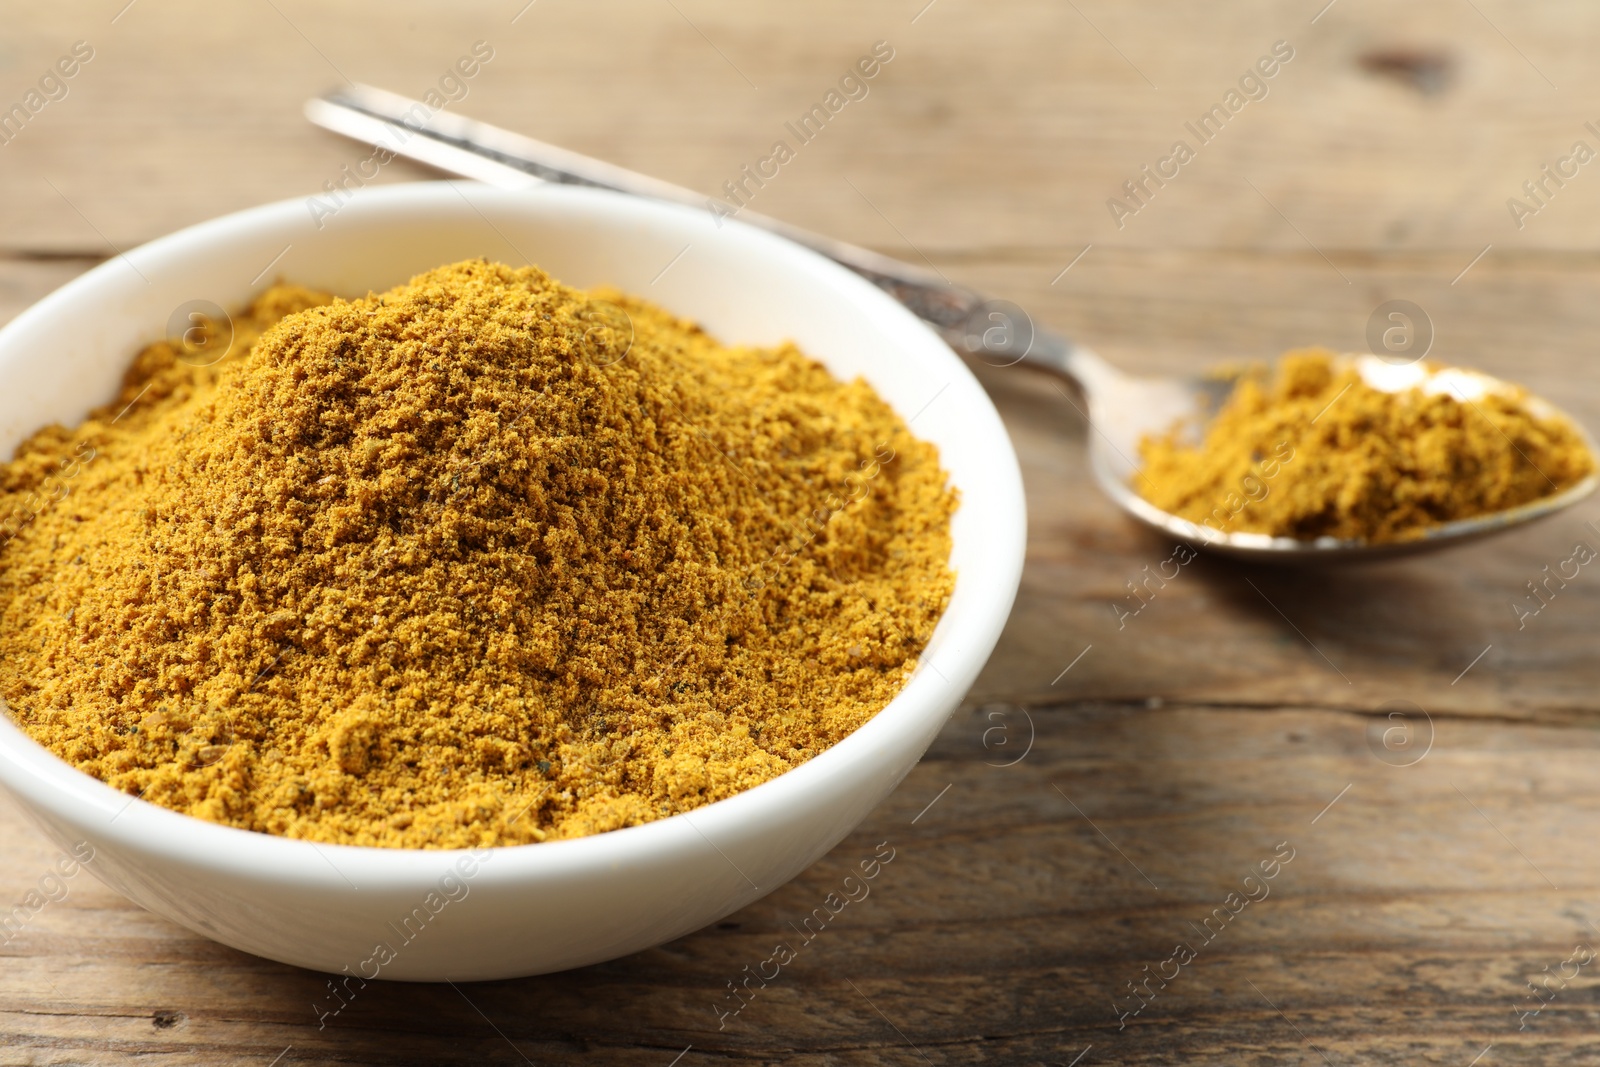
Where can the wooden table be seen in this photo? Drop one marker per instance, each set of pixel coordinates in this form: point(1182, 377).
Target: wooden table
point(1429, 765)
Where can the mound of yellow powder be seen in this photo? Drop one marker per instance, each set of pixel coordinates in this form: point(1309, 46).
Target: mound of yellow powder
point(1317, 451)
point(480, 560)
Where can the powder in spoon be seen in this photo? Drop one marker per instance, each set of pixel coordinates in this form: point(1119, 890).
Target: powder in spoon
point(1317, 451)
point(480, 560)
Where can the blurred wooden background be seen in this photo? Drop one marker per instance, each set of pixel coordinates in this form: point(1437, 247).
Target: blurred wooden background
point(1434, 876)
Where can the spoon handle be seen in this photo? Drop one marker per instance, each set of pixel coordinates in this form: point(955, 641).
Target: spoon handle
point(996, 332)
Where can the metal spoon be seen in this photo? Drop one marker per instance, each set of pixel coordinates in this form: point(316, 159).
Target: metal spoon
point(1122, 409)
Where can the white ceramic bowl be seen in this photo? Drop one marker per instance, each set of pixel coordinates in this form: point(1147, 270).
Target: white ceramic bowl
point(529, 909)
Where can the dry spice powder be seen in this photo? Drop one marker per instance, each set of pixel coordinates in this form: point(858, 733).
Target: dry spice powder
point(481, 560)
point(1317, 451)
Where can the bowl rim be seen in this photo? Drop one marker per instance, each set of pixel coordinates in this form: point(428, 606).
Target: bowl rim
point(44, 781)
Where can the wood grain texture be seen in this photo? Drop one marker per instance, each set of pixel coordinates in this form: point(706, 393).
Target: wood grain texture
point(1082, 821)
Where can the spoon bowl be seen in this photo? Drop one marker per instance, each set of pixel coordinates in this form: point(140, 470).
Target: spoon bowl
point(1124, 409)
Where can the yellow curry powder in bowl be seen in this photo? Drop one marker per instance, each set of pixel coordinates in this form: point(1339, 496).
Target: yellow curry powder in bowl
point(1317, 450)
point(481, 560)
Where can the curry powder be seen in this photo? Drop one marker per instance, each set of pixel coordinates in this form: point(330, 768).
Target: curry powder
point(481, 560)
point(1317, 451)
